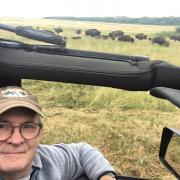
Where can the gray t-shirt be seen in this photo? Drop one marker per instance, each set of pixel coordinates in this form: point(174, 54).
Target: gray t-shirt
point(68, 162)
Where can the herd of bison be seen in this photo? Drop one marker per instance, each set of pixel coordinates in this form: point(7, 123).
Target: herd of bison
point(120, 36)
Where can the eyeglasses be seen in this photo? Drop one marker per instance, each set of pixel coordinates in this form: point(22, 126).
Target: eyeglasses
point(28, 130)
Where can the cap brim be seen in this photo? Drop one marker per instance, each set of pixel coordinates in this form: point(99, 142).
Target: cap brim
point(7, 106)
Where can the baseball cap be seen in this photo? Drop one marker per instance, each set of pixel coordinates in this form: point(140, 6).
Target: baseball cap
point(13, 96)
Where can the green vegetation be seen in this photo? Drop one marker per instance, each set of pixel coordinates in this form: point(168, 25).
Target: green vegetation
point(125, 126)
point(169, 33)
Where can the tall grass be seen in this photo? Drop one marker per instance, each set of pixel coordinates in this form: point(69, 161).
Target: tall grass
point(81, 96)
point(125, 126)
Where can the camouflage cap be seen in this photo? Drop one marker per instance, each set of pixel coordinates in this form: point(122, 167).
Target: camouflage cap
point(12, 96)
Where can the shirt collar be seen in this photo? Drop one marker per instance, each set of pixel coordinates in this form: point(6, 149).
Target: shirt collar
point(37, 161)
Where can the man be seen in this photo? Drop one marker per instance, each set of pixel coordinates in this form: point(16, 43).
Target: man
point(23, 158)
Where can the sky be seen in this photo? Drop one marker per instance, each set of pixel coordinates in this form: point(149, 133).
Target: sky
point(89, 8)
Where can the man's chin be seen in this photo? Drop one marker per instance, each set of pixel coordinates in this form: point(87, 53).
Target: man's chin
point(13, 163)
point(12, 168)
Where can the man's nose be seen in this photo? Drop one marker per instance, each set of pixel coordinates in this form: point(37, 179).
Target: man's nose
point(15, 137)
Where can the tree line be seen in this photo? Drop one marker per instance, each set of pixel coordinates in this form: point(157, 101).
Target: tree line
point(125, 20)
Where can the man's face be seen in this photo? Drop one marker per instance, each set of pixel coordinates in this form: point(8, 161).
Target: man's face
point(16, 153)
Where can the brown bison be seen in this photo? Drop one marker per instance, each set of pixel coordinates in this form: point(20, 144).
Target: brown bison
point(78, 31)
point(175, 37)
point(126, 38)
point(92, 33)
point(115, 34)
point(76, 37)
point(58, 29)
point(161, 41)
point(141, 36)
point(105, 37)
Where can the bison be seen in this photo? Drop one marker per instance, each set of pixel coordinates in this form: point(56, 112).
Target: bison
point(78, 31)
point(126, 38)
point(76, 37)
point(141, 36)
point(175, 37)
point(58, 29)
point(161, 41)
point(92, 33)
point(115, 34)
point(104, 37)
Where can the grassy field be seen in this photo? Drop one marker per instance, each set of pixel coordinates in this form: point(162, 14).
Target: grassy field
point(125, 126)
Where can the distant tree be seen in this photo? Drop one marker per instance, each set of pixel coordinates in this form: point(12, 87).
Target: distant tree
point(126, 20)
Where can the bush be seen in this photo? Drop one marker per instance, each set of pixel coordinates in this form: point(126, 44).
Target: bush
point(169, 33)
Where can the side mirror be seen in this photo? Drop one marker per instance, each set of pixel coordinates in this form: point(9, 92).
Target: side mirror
point(169, 153)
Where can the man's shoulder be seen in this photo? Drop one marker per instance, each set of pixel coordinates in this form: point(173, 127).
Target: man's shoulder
point(61, 145)
point(61, 148)
point(60, 153)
